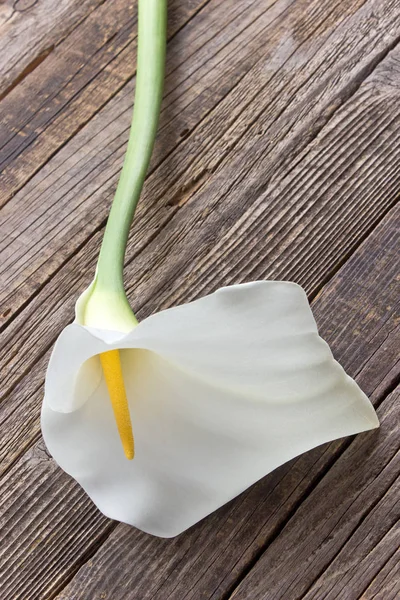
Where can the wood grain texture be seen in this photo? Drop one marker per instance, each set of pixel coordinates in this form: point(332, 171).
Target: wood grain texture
point(34, 496)
point(347, 514)
point(85, 70)
point(367, 551)
point(70, 176)
point(224, 545)
point(386, 585)
point(288, 102)
point(29, 31)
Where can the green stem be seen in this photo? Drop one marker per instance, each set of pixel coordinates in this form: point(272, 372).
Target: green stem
point(152, 25)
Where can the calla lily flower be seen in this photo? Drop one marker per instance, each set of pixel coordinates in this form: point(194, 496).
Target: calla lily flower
point(220, 392)
point(164, 421)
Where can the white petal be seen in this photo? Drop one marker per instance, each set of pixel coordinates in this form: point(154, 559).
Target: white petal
point(221, 392)
point(259, 338)
point(72, 375)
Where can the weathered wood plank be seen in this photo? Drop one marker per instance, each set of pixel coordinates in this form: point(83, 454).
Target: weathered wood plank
point(66, 177)
point(365, 553)
point(29, 30)
point(32, 491)
point(355, 502)
point(223, 545)
point(79, 77)
point(299, 225)
point(386, 585)
point(65, 202)
point(323, 206)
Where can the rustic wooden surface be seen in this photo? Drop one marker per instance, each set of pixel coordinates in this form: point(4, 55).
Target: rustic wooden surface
point(278, 156)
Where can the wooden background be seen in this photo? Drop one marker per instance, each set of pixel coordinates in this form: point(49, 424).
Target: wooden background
point(278, 156)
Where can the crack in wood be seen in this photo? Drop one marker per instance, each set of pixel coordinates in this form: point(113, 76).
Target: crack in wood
point(27, 70)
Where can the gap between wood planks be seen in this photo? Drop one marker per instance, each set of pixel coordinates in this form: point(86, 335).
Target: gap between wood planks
point(346, 444)
point(389, 578)
point(342, 547)
point(350, 92)
point(6, 313)
point(337, 554)
point(108, 98)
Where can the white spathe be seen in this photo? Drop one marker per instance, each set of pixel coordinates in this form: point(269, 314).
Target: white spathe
point(221, 392)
